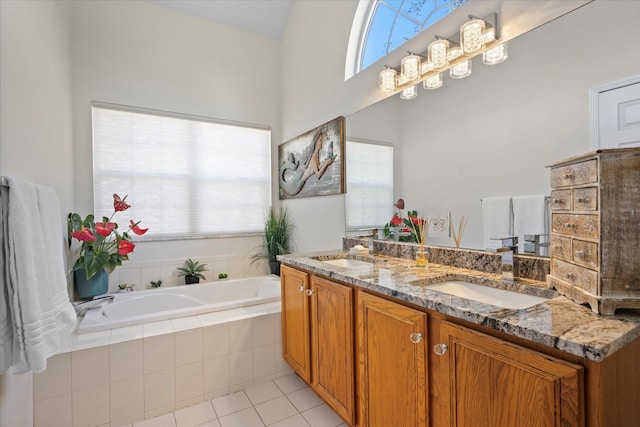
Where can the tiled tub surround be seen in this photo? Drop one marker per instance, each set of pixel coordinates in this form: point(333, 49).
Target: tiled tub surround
point(129, 374)
point(558, 323)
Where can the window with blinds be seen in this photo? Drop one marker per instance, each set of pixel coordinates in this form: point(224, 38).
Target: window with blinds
point(369, 176)
point(185, 176)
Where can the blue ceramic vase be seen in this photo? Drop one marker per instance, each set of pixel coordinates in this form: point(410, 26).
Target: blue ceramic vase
point(96, 285)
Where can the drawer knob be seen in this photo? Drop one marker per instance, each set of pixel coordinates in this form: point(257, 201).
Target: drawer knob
point(558, 201)
point(440, 349)
point(415, 337)
point(583, 200)
point(301, 288)
point(309, 292)
point(569, 276)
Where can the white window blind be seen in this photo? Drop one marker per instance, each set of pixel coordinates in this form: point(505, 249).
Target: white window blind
point(185, 176)
point(369, 176)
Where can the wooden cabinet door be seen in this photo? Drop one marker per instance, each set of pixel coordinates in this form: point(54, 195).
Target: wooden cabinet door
point(332, 356)
point(295, 321)
point(493, 383)
point(392, 368)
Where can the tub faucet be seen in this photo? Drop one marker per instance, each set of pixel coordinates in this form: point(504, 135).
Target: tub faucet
point(508, 247)
point(82, 306)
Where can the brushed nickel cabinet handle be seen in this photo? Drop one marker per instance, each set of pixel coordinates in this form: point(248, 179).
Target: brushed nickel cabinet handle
point(309, 292)
point(301, 288)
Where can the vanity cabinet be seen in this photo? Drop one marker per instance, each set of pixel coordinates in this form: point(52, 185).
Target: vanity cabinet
point(318, 335)
point(392, 363)
point(595, 229)
point(491, 382)
point(296, 332)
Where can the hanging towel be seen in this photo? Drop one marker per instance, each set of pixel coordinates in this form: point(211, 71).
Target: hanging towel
point(497, 220)
point(530, 216)
point(35, 304)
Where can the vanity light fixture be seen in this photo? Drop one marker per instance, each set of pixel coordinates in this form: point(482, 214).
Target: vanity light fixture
point(433, 82)
point(438, 52)
point(461, 70)
point(409, 92)
point(410, 67)
point(453, 53)
point(388, 80)
point(496, 55)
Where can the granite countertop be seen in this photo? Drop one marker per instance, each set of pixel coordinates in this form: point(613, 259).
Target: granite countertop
point(558, 323)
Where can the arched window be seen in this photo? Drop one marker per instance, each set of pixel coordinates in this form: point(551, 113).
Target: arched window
point(386, 24)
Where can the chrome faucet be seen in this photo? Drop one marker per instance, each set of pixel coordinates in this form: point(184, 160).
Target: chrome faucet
point(82, 306)
point(508, 247)
point(371, 236)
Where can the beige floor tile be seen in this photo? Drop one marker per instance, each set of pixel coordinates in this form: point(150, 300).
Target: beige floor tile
point(290, 383)
point(322, 416)
point(167, 420)
point(304, 399)
point(231, 403)
point(245, 418)
point(276, 410)
point(263, 392)
point(295, 421)
point(195, 415)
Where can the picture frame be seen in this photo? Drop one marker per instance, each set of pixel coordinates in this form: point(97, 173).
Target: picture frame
point(312, 164)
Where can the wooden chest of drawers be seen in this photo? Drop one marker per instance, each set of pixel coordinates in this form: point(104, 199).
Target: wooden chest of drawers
point(595, 229)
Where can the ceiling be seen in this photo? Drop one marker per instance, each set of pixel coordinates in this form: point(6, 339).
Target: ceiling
point(264, 17)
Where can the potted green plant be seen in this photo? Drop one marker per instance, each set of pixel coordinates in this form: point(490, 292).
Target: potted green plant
point(192, 271)
point(277, 239)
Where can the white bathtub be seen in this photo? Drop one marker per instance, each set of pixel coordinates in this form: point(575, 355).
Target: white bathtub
point(133, 308)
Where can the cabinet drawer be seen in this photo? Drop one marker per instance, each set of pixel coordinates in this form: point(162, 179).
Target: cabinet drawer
point(585, 253)
point(575, 275)
point(561, 200)
point(576, 174)
point(585, 199)
point(575, 225)
point(561, 247)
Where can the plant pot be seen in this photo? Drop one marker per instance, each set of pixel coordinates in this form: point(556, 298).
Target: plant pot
point(98, 284)
point(189, 280)
point(274, 266)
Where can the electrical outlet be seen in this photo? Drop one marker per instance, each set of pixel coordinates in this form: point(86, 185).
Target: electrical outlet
point(439, 224)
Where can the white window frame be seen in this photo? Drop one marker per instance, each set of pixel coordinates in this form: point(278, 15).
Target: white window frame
point(225, 192)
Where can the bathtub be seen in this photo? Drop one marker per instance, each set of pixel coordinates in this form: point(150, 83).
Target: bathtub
point(133, 308)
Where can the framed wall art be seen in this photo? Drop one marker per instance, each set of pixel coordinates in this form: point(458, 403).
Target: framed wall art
point(312, 164)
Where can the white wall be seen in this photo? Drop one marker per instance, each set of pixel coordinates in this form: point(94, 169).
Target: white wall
point(35, 129)
point(490, 134)
point(137, 53)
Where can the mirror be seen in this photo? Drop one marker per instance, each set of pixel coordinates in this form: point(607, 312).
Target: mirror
point(491, 134)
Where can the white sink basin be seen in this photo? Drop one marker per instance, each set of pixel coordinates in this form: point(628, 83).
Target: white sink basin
point(348, 263)
point(488, 295)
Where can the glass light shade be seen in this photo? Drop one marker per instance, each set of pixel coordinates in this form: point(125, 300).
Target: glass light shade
point(409, 93)
point(471, 36)
point(438, 53)
point(410, 67)
point(433, 82)
point(495, 55)
point(388, 80)
point(461, 70)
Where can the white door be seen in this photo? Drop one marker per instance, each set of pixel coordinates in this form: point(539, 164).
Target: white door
point(618, 115)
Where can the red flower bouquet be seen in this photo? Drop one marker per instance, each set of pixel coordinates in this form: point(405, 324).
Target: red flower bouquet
point(103, 246)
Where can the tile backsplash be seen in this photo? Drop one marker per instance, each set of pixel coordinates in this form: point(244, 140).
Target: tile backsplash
point(526, 266)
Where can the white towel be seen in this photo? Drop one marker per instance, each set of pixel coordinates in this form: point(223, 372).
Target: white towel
point(530, 216)
point(34, 283)
point(497, 220)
